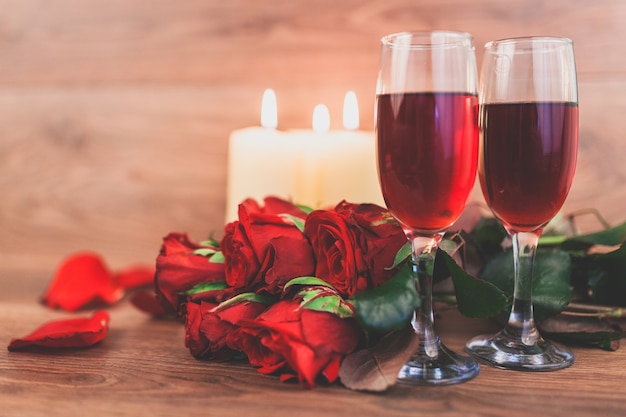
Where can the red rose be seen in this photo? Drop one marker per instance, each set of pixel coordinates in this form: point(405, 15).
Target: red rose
point(381, 237)
point(212, 330)
point(353, 245)
point(264, 249)
point(274, 205)
point(179, 268)
point(301, 341)
point(195, 340)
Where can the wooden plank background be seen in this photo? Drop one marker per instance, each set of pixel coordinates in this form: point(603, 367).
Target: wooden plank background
point(115, 114)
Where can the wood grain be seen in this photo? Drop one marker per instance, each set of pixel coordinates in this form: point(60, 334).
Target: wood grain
point(114, 122)
point(115, 114)
point(142, 368)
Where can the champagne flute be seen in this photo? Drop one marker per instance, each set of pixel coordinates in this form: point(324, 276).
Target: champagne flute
point(528, 124)
point(427, 136)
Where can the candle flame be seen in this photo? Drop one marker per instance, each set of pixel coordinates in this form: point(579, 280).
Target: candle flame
point(321, 119)
point(269, 112)
point(350, 111)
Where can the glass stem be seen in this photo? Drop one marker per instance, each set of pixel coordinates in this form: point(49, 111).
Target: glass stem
point(424, 250)
point(521, 324)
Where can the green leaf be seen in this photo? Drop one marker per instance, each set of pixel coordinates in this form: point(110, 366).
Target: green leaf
point(204, 251)
point(607, 277)
point(319, 295)
point(207, 286)
point(551, 287)
point(246, 296)
point(306, 209)
point(386, 218)
point(391, 305)
point(217, 258)
point(475, 297)
point(609, 237)
point(327, 300)
point(308, 280)
point(488, 235)
point(403, 253)
point(298, 222)
point(551, 282)
point(552, 240)
point(211, 241)
point(449, 246)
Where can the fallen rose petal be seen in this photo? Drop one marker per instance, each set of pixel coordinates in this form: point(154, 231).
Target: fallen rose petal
point(135, 277)
point(147, 302)
point(81, 279)
point(66, 333)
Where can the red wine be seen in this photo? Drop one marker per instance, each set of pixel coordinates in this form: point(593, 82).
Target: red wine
point(527, 161)
point(427, 156)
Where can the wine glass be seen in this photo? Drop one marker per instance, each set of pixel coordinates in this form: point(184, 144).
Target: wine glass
point(528, 122)
point(427, 137)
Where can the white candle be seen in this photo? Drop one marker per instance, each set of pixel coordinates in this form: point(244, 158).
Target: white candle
point(261, 161)
point(347, 162)
point(317, 168)
point(312, 145)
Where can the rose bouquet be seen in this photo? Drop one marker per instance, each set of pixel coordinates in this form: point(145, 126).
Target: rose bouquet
point(326, 295)
point(294, 290)
point(277, 287)
point(317, 295)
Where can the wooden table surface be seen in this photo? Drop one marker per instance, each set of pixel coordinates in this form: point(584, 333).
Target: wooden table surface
point(114, 124)
point(143, 368)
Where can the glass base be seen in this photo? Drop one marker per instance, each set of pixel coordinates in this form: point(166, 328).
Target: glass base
point(504, 352)
point(440, 367)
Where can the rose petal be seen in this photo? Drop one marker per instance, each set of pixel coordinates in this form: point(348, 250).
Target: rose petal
point(331, 372)
point(195, 340)
point(252, 244)
point(327, 333)
point(147, 302)
point(81, 279)
point(241, 262)
point(277, 205)
point(221, 327)
point(178, 269)
point(73, 333)
point(135, 277)
point(288, 256)
point(273, 205)
point(302, 338)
